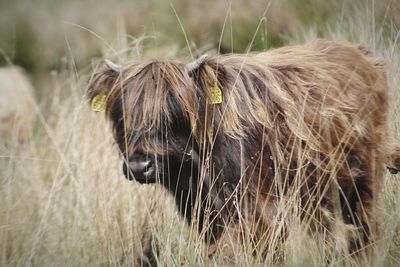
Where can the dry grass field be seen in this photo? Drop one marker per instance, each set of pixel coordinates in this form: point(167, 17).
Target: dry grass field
point(63, 198)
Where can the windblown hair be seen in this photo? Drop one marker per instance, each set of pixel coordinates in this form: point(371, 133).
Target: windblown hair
point(306, 120)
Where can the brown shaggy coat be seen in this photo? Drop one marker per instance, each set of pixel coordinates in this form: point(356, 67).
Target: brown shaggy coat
point(308, 121)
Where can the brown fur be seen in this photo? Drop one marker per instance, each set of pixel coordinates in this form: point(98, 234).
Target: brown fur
point(309, 120)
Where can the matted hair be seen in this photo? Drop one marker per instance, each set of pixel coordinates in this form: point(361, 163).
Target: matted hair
point(309, 120)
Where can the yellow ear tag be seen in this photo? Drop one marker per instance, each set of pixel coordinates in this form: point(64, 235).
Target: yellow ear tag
point(99, 103)
point(216, 95)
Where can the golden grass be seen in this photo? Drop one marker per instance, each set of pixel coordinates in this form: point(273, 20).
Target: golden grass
point(64, 200)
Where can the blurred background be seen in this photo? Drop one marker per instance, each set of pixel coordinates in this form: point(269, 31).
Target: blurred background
point(63, 198)
point(41, 35)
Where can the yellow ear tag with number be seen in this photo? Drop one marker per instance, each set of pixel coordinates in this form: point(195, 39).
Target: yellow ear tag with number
point(99, 103)
point(216, 95)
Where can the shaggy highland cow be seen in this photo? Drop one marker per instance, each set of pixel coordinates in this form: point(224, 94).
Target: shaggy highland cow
point(230, 136)
point(17, 107)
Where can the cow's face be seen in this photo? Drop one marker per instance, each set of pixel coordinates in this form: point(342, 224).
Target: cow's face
point(152, 108)
point(161, 156)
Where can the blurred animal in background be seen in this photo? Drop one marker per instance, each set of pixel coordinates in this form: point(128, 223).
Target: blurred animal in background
point(17, 106)
point(230, 136)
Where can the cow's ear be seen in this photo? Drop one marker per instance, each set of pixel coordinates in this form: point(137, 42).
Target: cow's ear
point(101, 82)
point(194, 66)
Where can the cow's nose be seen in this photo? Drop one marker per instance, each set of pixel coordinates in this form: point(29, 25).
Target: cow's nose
point(140, 167)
